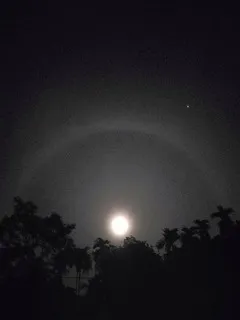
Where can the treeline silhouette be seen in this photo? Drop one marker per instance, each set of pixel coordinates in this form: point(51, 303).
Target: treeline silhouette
point(188, 274)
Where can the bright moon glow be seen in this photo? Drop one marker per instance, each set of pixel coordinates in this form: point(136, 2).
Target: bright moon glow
point(119, 225)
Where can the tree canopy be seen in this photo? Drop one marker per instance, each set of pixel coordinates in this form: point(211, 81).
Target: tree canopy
point(186, 274)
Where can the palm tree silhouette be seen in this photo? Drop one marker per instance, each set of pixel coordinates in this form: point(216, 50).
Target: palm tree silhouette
point(225, 224)
point(187, 236)
point(202, 229)
point(170, 236)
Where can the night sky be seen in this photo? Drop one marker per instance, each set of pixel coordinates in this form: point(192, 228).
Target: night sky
point(133, 108)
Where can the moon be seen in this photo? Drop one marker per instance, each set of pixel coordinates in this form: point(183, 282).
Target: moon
point(119, 225)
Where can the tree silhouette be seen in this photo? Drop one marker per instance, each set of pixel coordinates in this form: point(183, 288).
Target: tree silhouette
point(102, 249)
point(170, 237)
point(196, 277)
point(225, 224)
point(202, 229)
point(82, 262)
point(29, 239)
point(187, 236)
point(101, 244)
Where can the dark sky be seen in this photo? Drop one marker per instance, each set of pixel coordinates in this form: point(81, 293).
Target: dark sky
point(94, 112)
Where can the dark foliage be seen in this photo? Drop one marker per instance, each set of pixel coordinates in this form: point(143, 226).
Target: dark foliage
point(187, 275)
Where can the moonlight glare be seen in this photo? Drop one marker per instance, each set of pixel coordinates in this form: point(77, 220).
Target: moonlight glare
point(119, 225)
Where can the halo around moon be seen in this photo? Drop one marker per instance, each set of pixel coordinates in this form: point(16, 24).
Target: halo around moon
point(63, 139)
